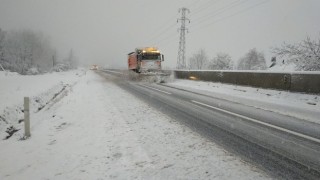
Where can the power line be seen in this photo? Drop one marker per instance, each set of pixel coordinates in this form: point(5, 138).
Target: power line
point(170, 26)
point(234, 14)
point(162, 28)
point(194, 4)
point(219, 11)
point(207, 5)
point(163, 32)
point(181, 62)
point(167, 38)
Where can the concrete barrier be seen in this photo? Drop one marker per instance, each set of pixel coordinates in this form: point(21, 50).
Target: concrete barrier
point(308, 83)
point(296, 82)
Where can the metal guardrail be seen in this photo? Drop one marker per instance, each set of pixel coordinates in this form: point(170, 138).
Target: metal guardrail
point(307, 82)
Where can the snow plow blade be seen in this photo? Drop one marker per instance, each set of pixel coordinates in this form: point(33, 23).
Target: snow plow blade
point(151, 77)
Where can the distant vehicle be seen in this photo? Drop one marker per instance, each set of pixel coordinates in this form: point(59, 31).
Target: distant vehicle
point(94, 67)
point(144, 60)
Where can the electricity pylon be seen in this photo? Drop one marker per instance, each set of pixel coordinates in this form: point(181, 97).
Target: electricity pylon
point(181, 62)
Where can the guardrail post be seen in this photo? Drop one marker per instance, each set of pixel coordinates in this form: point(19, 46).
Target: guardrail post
point(27, 117)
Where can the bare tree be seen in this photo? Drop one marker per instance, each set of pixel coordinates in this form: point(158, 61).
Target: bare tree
point(253, 60)
point(2, 36)
point(305, 55)
point(222, 61)
point(198, 60)
point(71, 60)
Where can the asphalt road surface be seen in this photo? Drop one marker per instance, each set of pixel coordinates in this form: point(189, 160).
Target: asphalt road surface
point(285, 147)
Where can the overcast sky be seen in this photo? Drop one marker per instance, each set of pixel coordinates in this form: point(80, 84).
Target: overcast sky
point(104, 31)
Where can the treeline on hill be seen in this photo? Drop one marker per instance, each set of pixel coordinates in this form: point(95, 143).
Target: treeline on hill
point(305, 56)
point(28, 52)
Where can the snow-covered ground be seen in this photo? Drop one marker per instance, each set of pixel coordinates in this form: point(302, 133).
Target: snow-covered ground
point(96, 130)
point(41, 89)
point(283, 67)
point(300, 105)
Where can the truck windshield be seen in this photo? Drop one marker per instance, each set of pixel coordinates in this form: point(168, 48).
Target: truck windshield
point(151, 57)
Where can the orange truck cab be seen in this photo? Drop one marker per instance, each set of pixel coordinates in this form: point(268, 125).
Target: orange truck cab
point(145, 60)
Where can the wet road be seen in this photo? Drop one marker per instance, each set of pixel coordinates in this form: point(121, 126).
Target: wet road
point(272, 141)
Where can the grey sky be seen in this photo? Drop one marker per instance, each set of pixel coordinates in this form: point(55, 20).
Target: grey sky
point(104, 31)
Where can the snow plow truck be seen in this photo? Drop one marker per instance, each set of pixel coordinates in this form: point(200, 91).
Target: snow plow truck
point(145, 60)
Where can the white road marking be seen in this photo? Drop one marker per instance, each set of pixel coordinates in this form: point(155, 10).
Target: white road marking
point(113, 71)
point(155, 89)
point(259, 122)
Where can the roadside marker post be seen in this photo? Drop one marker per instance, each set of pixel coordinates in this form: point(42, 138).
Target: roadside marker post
point(27, 117)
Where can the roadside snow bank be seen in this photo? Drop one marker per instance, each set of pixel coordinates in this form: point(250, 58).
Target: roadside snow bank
point(41, 89)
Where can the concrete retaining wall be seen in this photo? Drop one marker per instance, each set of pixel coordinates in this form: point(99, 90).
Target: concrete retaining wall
point(309, 83)
point(295, 82)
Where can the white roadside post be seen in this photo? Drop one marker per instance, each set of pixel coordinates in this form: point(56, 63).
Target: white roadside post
point(3, 69)
point(26, 117)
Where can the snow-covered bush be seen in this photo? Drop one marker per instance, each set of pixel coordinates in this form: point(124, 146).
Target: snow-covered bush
point(305, 55)
point(61, 67)
point(33, 71)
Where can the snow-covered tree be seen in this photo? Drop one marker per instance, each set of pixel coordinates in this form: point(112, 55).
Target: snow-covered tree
point(24, 50)
point(305, 55)
point(198, 60)
point(18, 55)
point(222, 61)
point(253, 60)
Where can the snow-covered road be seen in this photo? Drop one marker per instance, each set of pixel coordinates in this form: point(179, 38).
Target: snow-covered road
point(299, 105)
point(99, 131)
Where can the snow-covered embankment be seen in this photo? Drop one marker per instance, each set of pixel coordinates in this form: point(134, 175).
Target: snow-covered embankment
point(42, 90)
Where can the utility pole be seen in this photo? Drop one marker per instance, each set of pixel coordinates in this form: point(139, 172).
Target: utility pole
point(181, 63)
